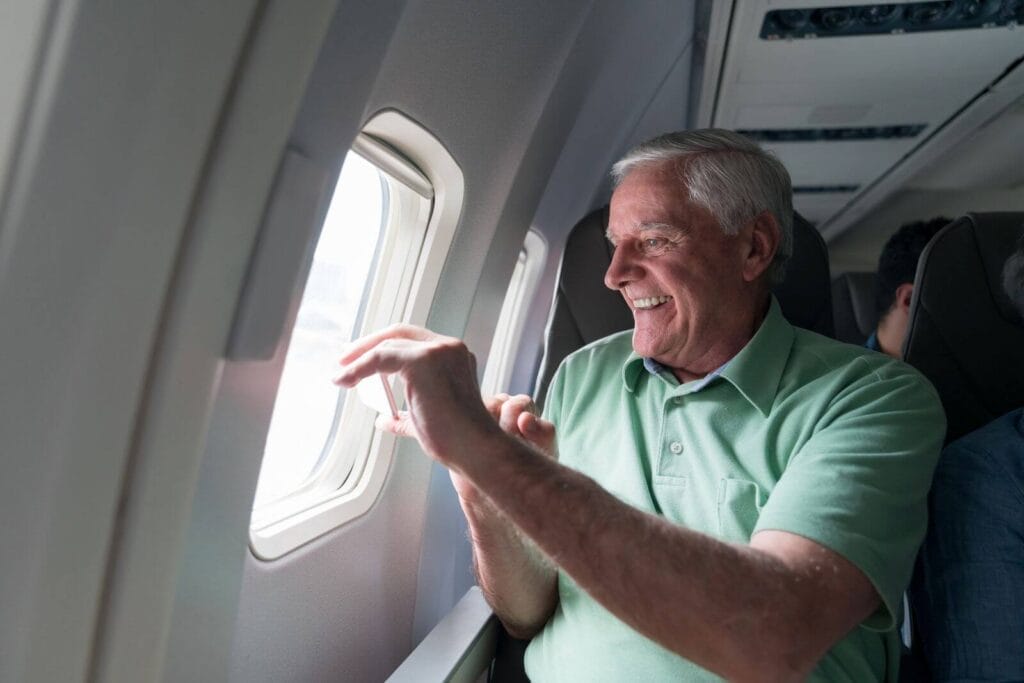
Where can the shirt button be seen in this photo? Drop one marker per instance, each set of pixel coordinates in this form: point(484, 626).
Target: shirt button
point(678, 400)
point(675, 447)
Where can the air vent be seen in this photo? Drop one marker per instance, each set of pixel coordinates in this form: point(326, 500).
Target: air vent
point(835, 134)
point(915, 17)
point(824, 189)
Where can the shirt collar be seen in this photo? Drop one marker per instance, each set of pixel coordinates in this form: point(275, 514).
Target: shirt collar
point(755, 371)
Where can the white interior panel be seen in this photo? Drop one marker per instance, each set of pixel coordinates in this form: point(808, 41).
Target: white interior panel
point(991, 158)
point(99, 201)
point(816, 206)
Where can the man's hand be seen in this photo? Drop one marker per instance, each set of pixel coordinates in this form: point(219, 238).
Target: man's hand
point(519, 416)
point(444, 409)
point(456, 427)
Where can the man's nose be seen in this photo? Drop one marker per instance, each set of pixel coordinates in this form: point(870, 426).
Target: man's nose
point(622, 270)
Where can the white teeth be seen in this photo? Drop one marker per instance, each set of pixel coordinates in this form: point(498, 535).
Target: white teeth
point(650, 302)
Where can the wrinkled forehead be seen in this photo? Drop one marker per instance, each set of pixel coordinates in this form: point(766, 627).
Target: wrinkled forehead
point(653, 185)
point(650, 198)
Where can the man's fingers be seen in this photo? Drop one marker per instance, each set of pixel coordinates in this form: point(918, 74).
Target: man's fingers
point(538, 431)
point(387, 356)
point(401, 426)
point(511, 410)
point(358, 347)
point(494, 403)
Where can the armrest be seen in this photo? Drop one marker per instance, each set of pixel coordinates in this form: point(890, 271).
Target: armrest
point(460, 648)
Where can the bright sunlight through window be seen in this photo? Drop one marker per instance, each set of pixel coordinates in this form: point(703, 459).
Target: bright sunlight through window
point(378, 260)
point(308, 405)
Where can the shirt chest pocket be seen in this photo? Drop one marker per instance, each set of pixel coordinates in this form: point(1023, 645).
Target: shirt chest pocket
point(739, 506)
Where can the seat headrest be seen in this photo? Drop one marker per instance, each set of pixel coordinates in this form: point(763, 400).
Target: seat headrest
point(964, 333)
point(805, 295)
point(585, 310)
point(853, 306)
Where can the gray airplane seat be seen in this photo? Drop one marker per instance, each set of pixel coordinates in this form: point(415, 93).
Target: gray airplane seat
point(964, 333)
point(853, 307)
point(585, 310)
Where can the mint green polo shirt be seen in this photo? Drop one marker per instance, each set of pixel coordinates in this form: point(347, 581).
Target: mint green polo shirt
point(798, 433)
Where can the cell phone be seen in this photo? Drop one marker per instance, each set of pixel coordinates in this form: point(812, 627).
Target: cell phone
point(375, 391)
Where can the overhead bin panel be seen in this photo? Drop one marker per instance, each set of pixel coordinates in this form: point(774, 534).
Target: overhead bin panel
point(819, 206)
point(838, 163)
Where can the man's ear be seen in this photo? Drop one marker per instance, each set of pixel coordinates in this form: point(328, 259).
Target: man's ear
point(904, 293)
point(765, 235)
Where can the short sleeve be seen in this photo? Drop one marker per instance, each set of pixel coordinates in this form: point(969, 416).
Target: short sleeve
point(859, 484)
point(552, 409)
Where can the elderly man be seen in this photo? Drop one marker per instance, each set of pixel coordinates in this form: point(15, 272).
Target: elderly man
point(730, 494)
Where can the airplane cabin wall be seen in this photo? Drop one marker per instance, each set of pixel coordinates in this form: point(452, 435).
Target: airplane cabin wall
point(102, 194)
point(501, 86)
point(217, 561)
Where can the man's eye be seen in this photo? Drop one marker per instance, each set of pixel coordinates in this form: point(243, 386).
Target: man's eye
point(653, 242)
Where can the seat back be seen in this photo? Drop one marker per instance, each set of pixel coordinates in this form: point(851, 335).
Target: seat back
point(853, 307)
point(585, 310)
point(964, 333)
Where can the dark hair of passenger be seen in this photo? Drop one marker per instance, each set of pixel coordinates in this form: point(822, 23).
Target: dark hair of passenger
point(898, 261)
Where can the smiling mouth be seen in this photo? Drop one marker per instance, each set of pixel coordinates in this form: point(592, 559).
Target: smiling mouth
point(650, 302)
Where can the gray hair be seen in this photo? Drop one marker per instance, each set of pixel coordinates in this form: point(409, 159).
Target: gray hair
point(727, 174)
point(1013, 277)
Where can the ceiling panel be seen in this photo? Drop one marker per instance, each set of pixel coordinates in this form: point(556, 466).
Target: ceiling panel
point(857, 81)
point(838, 163)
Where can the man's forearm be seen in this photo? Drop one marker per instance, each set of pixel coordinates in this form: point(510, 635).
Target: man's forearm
point(732, 609)
point(518, 582)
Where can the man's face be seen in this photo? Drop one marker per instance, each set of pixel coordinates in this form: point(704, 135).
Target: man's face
point(680, 274)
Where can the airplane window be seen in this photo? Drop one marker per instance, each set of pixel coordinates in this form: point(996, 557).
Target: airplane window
point(378, 261)
point(308, 407)
point(521, 288)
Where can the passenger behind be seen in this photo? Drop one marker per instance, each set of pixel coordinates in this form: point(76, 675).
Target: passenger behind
point(968, 597)
point(894, 286)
